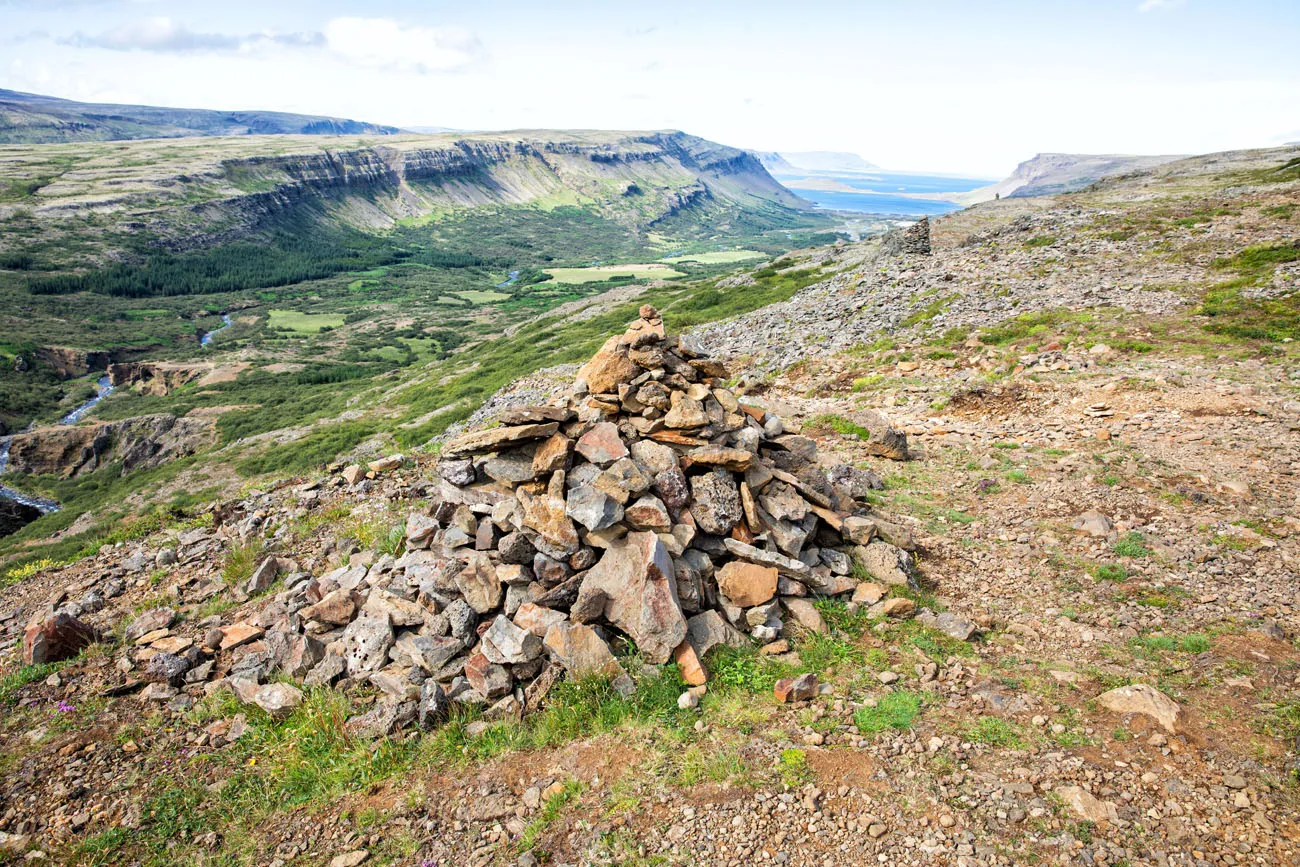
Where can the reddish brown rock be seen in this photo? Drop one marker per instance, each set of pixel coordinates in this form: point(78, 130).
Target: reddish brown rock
point(545, 514)
point(56, 638)
point(488, 679)
point(552, 455)
point(801, 688)
point(609, 368)
point(239, 633)
point(747, 584)
point(602, 445)
point(688, 663)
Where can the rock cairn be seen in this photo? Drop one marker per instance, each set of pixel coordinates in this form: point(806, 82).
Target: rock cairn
point(913, 240)
point(650, 505)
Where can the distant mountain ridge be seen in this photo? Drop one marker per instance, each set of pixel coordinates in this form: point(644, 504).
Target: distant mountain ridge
point(791, 162)
point(1051, 173)
point(31, 118)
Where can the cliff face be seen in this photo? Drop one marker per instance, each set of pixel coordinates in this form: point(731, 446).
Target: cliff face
point(139, 443)
point(372, 187)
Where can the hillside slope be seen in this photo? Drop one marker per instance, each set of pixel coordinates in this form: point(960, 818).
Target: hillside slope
point(30, 118)
point(1048, 174)
point(1089, 658)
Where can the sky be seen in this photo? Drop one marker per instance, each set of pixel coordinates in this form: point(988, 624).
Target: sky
point(922, 85)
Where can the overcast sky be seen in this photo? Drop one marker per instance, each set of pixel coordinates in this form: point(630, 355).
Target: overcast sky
point(970, 87)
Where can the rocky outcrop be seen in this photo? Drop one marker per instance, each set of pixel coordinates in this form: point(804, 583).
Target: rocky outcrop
point(138, 443)
point(157, 378)
point(70, 363)
point(15, 515)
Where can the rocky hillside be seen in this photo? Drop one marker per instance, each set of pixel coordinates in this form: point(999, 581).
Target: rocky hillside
point(31, 118)
point(1080, 649)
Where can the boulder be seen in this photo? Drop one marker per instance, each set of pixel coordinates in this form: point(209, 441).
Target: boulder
point(801, 688)
point(634, 586)
point(1085, 806)
point(609, 368)
point(886, 563)
point(496, 439)
point(149, 621)
point(708, 629)
point(479, 583)
point(602, 445)
point(365, 643)
point(507, 644)
point(1140, 698)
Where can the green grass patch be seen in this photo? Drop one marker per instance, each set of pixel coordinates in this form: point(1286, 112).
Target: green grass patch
point(1115, 572)
point(716, 257)
point(993, 731)
point(13, 681)
point(1133, 544)
point(602, 273)
point(896, 710)
point(303, 323)
point(1040, 241)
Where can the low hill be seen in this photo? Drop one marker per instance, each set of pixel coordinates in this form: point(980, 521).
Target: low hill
point(30, 118)
point(1049, 174)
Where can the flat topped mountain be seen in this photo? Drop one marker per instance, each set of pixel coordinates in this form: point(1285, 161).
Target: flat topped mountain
point(233, 186)
point(35, 118)
point(1049, 174)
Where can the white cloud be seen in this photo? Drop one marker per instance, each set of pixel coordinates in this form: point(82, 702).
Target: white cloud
point(383, 43)
point(1155, 5)
point(164, 35)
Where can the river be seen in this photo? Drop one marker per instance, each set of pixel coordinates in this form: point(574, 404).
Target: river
point(104, 389)
point(225, 323)
point(45, 506)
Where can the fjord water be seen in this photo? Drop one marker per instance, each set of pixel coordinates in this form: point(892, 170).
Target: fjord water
point(883, 192)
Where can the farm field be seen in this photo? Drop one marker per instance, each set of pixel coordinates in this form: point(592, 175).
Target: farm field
point(600, 273)
point(716, 257)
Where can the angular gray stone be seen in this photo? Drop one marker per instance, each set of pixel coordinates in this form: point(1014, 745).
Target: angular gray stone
point(365, 644)
point(581, 650)
point(887, 563)
point(507, 644)
point(593, 509)
point(707, 630)
point(429, 653)
point(715, 502)
point(787, 566)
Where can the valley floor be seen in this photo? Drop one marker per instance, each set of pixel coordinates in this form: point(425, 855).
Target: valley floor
point(1050, 359)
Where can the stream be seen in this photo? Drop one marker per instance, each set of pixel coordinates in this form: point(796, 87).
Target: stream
point(40, 503)
point(511, 279)
point(225, 323)
point(105, 388)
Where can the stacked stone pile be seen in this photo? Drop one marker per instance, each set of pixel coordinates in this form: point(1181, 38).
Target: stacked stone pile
point(650, 505)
